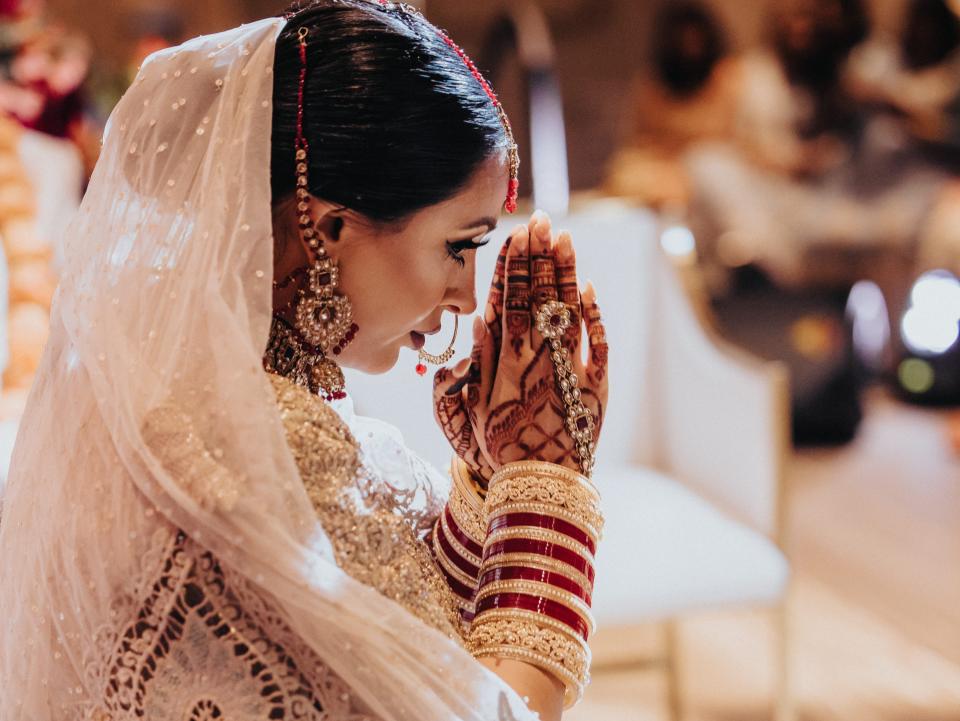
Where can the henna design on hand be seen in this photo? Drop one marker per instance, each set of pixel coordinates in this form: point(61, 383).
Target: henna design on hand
point(450, 412)
point(452, 418)
point(597, 335)
point(568, 289)
point(530, 425)
point(517, 300)
point(493, 316)
point(544, 278)
point(508, 406)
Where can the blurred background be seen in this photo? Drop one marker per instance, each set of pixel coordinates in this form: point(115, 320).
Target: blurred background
point(770, 193)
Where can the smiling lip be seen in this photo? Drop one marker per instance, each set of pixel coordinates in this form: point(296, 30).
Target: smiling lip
point(418, 340)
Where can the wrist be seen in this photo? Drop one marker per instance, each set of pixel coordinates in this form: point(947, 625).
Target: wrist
point(543, 524)
point(457, 539)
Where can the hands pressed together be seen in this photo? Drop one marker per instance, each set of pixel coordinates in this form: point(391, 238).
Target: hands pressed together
point(504, 404)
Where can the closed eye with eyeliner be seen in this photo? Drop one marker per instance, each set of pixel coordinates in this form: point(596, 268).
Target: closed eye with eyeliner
point(456, 248)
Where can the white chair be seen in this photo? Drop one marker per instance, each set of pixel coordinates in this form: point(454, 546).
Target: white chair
point(703, 529)
point(55, 168)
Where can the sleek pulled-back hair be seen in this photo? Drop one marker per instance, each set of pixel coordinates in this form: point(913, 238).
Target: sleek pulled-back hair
point(394, 119)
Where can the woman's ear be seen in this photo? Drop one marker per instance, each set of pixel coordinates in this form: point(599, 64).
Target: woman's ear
point(340, 228)
point(329, 225)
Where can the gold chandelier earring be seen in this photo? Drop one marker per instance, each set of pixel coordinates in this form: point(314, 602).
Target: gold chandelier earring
point(438, 360)
point(323, 322)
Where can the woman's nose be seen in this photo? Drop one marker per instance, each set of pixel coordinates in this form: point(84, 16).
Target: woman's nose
point(462, 297)
point(465, 305)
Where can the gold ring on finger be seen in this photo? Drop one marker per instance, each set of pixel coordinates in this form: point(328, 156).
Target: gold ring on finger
point(553, 319)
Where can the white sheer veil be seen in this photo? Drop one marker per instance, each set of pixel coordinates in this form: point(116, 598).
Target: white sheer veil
point(165, 301)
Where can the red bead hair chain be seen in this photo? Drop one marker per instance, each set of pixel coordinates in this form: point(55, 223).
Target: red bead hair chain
point(513, 159)
point(324, 276)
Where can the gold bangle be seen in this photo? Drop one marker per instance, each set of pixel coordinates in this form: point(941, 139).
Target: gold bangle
point(543, 468)
point(465, 605)
point(466, 504)
point(466, 479)
point(545, 483)
point(559, 646)
point(533, 533)
point(449, 566)
point(522, 614)
point(544, 509)
point(573, 686)
point(542, 590)
point(456, 545)
point(540, 563)
point(451, 570)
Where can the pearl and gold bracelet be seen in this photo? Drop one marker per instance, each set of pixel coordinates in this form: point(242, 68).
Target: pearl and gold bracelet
point(535, 581)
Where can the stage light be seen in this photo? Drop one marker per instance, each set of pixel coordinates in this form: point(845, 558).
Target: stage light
point(932, 323)
point(867, 310)
point(928, 332)
point(937, 290)
point(916, 375)
point(677, 240)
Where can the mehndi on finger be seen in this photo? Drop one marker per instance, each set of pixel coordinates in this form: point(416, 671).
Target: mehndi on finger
point(517, 301)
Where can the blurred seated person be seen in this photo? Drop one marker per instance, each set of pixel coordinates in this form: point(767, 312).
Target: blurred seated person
point(918, 75)
point(688, 95)
point(44, 88)
point(803, 179)
point(914, 80)
point(794, 116)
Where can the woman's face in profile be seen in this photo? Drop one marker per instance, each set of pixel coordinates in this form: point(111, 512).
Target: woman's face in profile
point(400, 279)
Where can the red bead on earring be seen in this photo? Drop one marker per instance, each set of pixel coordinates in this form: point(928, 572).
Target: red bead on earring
point(421, 369)
point(338, 348)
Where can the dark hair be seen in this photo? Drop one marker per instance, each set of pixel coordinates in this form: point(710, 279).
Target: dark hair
point(394, 119)
point(930, 34)
point(681, 73)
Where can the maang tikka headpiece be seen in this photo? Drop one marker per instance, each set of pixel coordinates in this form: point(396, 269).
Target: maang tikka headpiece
point(324, 318)
point(513, 154)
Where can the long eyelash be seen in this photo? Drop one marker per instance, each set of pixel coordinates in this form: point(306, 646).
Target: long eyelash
point(454, 249)
point(455, 254)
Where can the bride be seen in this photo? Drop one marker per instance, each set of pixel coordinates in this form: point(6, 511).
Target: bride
point(186, 536)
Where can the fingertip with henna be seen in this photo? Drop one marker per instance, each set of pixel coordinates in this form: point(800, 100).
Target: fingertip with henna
point(521, 241)
point(461, 368)
point(478, 328)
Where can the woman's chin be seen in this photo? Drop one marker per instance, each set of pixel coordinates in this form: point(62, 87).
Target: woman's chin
point(376, 362)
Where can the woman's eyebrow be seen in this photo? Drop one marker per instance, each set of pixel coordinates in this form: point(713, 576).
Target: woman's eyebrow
point(488, 222)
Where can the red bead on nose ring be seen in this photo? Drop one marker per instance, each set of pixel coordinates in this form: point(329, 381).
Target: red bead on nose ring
point(438, 360)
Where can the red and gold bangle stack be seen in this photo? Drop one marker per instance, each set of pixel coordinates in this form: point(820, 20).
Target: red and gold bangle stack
point(536, 576)
point(458, 539)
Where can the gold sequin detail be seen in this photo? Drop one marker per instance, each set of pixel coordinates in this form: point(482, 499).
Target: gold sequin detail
point(465, 503)
point(568, 496)
point(372, 540)
point(519, 631)
point(171, 435)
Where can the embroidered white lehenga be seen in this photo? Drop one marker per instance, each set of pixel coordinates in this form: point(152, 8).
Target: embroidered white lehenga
point(183, 535)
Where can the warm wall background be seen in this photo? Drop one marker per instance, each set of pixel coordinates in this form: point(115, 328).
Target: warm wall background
point(600, 45)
